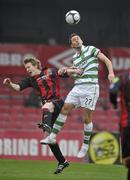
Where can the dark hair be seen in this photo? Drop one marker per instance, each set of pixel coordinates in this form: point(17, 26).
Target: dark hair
point(33, 61)
point(72, 35)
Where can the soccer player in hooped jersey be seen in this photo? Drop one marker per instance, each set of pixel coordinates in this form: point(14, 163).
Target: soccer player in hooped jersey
point(85, 92)
point(45, 82)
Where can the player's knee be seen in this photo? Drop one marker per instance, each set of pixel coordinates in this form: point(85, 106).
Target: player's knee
point(48, 107)
point(45, 110)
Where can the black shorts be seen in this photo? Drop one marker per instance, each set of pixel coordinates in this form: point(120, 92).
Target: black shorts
point(126, 142)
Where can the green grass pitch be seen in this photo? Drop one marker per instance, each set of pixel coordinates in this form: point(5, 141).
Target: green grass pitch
point(43, 170)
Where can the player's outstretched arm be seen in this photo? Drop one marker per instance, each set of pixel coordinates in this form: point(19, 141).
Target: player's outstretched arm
point(10, 84)
point(70, 71)
point(108, 63)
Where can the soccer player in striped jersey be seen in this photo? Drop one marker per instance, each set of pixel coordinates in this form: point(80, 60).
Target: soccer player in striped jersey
point(45, 81)
point(85, 92)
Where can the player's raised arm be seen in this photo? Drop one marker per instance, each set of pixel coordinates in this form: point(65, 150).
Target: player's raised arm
point(108, 63)
point(10, 84)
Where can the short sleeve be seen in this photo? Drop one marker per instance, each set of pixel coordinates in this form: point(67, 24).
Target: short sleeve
point(94, 51)
point(24, 83)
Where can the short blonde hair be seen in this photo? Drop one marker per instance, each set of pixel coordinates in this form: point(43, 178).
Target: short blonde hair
point(33, 61)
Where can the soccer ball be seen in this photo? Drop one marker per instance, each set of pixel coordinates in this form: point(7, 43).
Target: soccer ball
point(72, 17)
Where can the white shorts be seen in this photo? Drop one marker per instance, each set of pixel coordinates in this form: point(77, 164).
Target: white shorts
point(84, 95)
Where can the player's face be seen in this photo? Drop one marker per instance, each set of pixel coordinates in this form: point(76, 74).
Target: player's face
point(76, 42)
point(31, 69)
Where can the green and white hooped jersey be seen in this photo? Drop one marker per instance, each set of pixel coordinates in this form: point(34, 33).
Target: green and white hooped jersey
point(88, 61)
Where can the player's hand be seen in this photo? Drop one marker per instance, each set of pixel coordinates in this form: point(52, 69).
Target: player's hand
point(79, 71)
point(62, 71)
point(7, 81)
point(111, 77)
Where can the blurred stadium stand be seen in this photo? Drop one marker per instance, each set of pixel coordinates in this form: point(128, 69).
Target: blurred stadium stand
point(103, 23)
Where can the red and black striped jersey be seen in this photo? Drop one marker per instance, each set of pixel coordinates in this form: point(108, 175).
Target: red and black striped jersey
point(46, 84)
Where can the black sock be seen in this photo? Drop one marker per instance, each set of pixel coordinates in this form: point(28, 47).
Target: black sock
point(47, 117)
point(57, 152)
